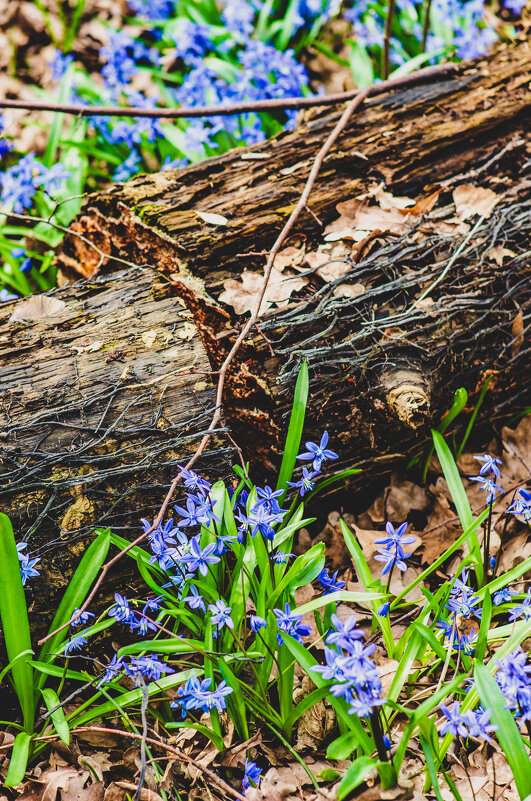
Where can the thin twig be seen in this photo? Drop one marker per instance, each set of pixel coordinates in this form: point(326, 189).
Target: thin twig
point(171, 750)
point(143, 710)
point(426, 24)
point(386, 66)
point(230, 109)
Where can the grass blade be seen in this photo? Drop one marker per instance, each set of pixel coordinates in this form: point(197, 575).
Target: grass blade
point(75, 594)
point(14, 616)
point(51, 699)
point(507, 734)
point(19, 759)
point(356, 773)
point(296, 423)
point(460, 499)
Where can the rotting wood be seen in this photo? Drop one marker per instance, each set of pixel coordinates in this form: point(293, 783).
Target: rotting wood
point(378, 382)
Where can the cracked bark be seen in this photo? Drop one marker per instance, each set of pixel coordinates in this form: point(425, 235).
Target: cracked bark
point(93, 434)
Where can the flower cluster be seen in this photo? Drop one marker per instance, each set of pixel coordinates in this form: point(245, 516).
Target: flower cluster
point(349, 666)
point(21, 181)
point(27, 565)
point(513, 679)
point(139, 668)
point(461, 603)
point(393, 553)
point(488, 485)
point(316, 454)
point(472, 723)
point(197, 694)
point(140, 622)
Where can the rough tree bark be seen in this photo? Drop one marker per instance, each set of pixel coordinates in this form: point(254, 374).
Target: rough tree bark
point(107, 389)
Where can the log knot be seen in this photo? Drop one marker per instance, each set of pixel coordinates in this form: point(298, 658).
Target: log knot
point(407, 397)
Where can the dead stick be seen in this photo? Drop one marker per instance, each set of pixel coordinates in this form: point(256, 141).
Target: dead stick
point(237, 108)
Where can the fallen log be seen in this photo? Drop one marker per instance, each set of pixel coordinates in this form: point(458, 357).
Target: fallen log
point(106, 384)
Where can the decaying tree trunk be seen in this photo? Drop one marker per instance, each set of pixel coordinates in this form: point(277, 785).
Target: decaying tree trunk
point(104, 384)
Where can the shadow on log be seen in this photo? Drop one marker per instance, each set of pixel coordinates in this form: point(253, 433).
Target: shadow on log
point(105, 384)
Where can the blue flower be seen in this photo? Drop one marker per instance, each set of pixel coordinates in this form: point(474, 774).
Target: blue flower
point(18, 253)
point(196, 694)
point(252, 774)
point(490, 464)
point(488, 486)
point(344, 633)
point(455, 722)
point(6, 295)
point(256, 623)
point(280, 558)
point(221, 614)
point(479, 725)
point(395, 537)
point(53, 179)
point(318, 453)
point(122, 611)
point(148, 667)
point(522, 505)
point(192, 40)
point(82, 619)
point(127, 168)
point(383, 610)
point(152, 9)
point(198, 559)
point(27, 565)
point(113, 669)
point(330, 583)
point(291, 624)
point(522, 610)
point(194, 482)
point(19, 183)
point(76, 643)
point(392, 558)
point(59, 65)
point(196, 602)
point(260, 520)
point(502, 596)
point(306, 483)
point(268, 498)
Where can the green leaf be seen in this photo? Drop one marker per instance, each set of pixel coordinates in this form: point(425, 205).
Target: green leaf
point(387, 775)
point(51, 699)
point(460, 498)
point(328, 775)
point(296, 423)
point(486, 616)
point(507, 734)
point(342, 747)
point(331, 480)
point(76, 592)
point(202, 729)
point(14, 616)
point(355, 775)
point(235, 701)
point(341, 595)
point(19, 759)
point(360, 65)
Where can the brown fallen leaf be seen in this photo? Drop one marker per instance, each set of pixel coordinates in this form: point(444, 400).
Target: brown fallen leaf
point(38, 307)
point(517, 330)
point(473, 200)
point(498, 254)
point(243, 295)
point(289, 257)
